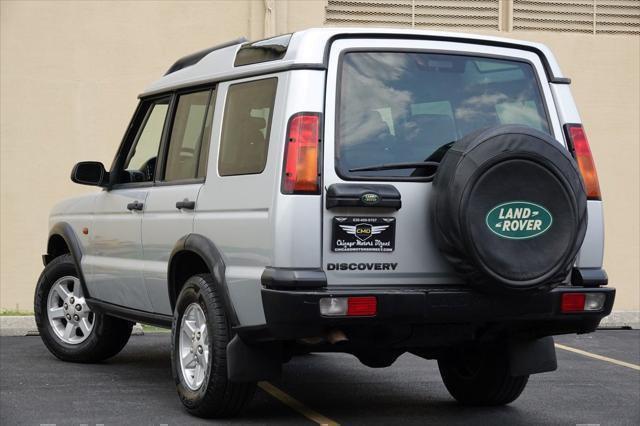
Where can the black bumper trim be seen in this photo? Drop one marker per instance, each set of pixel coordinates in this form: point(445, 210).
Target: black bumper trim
point(292, 279)
point(292, 314)
point(589, 277)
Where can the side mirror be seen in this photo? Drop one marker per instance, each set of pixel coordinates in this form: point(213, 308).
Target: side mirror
point(90, 173)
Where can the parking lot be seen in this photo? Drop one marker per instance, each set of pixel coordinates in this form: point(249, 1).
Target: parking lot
point(599, 384)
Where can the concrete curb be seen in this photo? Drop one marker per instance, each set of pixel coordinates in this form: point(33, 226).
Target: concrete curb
point(26, 326)
point(622, 319)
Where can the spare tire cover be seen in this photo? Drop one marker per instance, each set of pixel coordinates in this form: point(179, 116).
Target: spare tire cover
point(510, 209)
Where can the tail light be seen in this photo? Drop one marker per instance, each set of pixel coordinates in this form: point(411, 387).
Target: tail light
point(352, 306)
point(582, 153)
point(582, 302)
point(572, 302)
point(366, 306)
point(301, 155)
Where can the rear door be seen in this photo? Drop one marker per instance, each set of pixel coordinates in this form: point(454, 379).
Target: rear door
point(169, 210)
point(405, 101)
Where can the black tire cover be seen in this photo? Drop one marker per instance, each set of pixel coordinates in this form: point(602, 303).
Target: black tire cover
point(509, 209)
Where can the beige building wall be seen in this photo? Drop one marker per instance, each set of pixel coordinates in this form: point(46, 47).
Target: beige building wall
point(70, 73)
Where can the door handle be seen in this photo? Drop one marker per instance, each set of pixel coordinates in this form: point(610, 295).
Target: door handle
point(136, 205)
point(186, 204)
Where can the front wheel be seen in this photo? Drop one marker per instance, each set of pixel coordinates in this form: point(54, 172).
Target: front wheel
point(67, 325)
point(481, 376)
point(200, 335)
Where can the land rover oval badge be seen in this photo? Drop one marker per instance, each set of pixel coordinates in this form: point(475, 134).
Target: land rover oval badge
point(370, 198)
point(519, 220)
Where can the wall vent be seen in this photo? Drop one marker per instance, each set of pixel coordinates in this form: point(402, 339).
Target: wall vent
point(415, 13)
point(587, 16)
point(576, 16)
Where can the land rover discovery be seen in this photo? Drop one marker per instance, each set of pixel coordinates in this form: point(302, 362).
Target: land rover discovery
point(366, 191)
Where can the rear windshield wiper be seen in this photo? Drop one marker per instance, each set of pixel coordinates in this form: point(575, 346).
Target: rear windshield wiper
point(397, 166)
point(432, 161)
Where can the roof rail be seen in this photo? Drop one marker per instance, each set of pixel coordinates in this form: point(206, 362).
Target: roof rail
point(194, 58)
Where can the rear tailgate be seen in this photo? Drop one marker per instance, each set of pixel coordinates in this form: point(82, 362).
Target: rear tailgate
point(396, 101)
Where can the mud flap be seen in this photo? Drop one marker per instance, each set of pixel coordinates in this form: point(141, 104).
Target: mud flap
point(532, 356)
point(252, 363)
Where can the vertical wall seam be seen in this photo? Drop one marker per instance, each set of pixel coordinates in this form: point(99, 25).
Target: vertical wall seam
point(413, 13)
point(594, 17)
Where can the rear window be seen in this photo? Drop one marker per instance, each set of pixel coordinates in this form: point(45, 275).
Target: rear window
point(397, 107)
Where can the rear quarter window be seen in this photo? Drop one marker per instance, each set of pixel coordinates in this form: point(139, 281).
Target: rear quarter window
point(398, 107)
point(245, 128)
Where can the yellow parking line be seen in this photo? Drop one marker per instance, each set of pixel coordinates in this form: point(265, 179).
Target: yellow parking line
point(296, 405)
point(599, 357)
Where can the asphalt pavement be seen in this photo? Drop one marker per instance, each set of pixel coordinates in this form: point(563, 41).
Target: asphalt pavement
point(598, 385)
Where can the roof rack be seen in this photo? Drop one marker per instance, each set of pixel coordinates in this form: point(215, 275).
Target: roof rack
point(194, 58)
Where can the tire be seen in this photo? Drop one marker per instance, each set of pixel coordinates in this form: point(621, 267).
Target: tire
point(107, 335)
point(202, 385)
point(509, 209)
point(481, 377)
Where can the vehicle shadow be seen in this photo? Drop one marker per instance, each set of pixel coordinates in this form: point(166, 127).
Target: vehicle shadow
point(137, 385)
point(409, 392)
point(335, 385)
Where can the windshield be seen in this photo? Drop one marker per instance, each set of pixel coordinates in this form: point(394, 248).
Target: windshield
point(397, 107)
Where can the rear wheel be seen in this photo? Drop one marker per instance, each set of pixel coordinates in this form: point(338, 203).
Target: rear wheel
point(200, 335)
point(481, 377)
point(67, 325)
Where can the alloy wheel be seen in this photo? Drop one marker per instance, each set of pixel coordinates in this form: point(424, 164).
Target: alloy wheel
point(194, 346)
point(69, 315)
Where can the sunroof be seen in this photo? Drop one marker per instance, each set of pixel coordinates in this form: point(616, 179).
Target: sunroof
point(270, 49)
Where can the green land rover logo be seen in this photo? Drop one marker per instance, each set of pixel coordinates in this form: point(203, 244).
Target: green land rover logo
point(519, 220)
point(370, 198)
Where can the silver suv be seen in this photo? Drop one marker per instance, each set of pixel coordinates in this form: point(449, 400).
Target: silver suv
point(368, 191)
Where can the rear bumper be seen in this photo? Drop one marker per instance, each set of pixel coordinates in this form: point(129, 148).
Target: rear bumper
point(294, 314)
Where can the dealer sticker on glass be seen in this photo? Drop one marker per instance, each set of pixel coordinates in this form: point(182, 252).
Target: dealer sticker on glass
point(357, 234)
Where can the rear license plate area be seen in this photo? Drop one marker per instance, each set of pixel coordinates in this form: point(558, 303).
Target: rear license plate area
point(363, 234)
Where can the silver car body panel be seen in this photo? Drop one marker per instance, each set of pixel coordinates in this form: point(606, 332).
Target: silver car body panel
point(297, 223)
point(162, 225)
point(114, 264)
point(236, 214)
point(592, 251)
point(78, 213)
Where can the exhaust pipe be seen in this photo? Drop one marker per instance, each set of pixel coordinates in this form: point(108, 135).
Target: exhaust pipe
point(336, 336)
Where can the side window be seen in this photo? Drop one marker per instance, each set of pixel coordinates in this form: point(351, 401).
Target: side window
point(245, 129)
point(190, 137)
point(140, 162)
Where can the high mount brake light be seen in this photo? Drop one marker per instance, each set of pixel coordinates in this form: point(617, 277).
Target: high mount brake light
point(301, 155)
point(582, 153)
